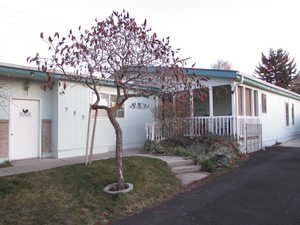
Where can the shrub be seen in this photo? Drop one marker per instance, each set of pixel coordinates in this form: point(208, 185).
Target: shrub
point(209, 165)
point(180, 151)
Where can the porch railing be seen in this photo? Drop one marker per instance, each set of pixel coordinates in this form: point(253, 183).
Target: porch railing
point(230, 126)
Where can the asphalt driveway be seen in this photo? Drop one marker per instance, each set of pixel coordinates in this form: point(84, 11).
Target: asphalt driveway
point(264, 191)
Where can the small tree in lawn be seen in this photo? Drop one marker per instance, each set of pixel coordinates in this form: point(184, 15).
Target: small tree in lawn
point(138, 62)
point(277, 68)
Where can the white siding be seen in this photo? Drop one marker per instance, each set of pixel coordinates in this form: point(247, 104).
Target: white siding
point(73, 119)
point(274, 121)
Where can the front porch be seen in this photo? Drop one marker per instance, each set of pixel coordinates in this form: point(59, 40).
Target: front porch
point(227, 110)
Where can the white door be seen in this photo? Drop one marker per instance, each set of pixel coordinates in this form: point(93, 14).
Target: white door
point(24, 129)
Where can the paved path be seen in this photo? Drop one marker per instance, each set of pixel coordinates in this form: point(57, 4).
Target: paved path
point(292, 143)
point(264, 191)
point(31, 165)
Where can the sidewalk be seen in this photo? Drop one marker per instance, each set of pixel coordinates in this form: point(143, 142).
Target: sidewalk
point(32, 165)
point(292, 143)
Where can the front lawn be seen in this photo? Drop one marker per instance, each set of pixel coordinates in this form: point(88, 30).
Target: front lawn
point(74, 194)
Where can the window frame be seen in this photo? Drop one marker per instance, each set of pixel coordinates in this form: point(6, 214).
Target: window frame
point(109, 104)
point(287, 114)
point(255, 103)
point(293, 114)
point(264, 108)
point(241, 101)
point(248, 102)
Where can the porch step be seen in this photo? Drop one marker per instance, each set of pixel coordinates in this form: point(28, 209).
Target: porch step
point(180, 162)
point(186, 169)
point(188, 178)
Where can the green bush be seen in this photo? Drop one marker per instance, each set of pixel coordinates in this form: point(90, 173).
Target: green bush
point(180, 151)
point(209, 165)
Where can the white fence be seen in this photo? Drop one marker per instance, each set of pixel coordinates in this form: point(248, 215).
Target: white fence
point(230, 126)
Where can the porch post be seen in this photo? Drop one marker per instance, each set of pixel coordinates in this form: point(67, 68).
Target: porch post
point(233, 100)
point(244, 117)
point(211, 102)
point(234, 105)
point(211, 110)
point(191, 103)
point(252, 102)
point(191, 120)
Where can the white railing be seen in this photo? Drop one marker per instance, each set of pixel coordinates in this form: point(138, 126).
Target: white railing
point(197, 126)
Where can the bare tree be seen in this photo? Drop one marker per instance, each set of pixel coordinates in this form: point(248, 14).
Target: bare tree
point(138, 62)
point(222, 65)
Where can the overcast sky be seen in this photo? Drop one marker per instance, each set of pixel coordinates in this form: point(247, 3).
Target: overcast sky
point(205, 30)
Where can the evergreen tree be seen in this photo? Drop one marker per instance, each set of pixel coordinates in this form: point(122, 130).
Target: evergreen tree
point(277, 68)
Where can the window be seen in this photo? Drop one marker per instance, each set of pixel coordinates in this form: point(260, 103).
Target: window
point(167, 107)
point(241, 101)
point(263, 103)
point(201, 102)
point(182, 104)
point(255, 103)
point(248, 101)
point(113, 101)
point(293, 115)
point(108, 100)
point(287, 119)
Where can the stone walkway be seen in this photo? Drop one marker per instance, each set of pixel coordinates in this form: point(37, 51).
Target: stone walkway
point(184, 169)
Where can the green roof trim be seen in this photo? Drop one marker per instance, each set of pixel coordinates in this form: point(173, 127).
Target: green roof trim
point(267, 87)
point(217, 73)
point(32, 74)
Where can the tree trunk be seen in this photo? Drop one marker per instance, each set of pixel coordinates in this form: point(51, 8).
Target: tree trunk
point(119, 148)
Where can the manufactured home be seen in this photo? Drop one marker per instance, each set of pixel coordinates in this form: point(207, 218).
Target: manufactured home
point(38, 121)
point(254, 112)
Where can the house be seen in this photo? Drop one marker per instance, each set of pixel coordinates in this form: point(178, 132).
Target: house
point(254, 112)
point(39, 122)
point(36, 122)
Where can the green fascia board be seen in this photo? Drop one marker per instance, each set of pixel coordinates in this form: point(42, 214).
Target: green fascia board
point(231, 74)
point(260, 85)
point(31, 74)
point(217, 73)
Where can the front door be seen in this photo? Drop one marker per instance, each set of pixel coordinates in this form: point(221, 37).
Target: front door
point(24, 129)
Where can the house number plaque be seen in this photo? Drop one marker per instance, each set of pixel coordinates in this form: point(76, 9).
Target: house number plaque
point(139, 105)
